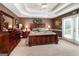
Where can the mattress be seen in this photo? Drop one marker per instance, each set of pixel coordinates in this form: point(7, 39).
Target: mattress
point(42, 33)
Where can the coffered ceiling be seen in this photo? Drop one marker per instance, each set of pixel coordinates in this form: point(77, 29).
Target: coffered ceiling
point(41, 10)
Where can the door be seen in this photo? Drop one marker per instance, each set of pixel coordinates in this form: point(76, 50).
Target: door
point(70, 28)
point(77, 29)
point(67, 28)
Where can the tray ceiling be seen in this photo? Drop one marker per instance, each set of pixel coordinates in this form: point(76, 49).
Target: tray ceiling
point(41, 10)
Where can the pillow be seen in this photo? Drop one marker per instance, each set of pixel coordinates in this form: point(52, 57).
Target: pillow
point(40, 29)
point(34, 29)
point(43, 29)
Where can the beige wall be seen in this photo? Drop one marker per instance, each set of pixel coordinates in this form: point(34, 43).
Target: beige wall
point(28, 21)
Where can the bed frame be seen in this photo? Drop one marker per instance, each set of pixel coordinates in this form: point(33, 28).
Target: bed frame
point(42, 39)
point(37, 26)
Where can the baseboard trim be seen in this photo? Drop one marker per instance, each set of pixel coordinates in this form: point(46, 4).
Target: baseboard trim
point(74, 42)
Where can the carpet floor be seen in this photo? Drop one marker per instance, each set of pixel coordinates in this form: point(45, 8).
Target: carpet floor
point(63, 48)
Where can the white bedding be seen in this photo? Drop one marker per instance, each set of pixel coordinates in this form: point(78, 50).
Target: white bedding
point(41, 33)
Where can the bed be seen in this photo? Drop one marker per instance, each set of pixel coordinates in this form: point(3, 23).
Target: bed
point(41, 36)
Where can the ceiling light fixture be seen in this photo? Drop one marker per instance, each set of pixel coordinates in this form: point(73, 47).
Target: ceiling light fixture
point(44, 5)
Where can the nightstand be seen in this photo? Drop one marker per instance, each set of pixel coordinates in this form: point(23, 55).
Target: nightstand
point(25, 34)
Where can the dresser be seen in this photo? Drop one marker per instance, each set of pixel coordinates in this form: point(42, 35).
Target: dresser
point(4, 42)
point(8, 41)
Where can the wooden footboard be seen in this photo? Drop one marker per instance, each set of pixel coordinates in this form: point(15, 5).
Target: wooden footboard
point(42, 39)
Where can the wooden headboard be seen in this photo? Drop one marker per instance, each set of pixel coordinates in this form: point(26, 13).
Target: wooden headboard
point(37, 26)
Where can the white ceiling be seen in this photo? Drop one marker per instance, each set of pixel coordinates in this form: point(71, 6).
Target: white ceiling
point(35, 10)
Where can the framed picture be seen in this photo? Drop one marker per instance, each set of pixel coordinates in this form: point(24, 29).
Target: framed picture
point(37, 21)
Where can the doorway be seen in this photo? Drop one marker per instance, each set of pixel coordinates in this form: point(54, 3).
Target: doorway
point(70, 28)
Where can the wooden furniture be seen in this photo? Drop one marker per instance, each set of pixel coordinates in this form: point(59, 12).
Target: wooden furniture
point(4, 42)
point(14, 38)
point(8, 41)
point(9, 38)
point(42, 39)
point(57, 31)
point(37, 26)
point(25, 34)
